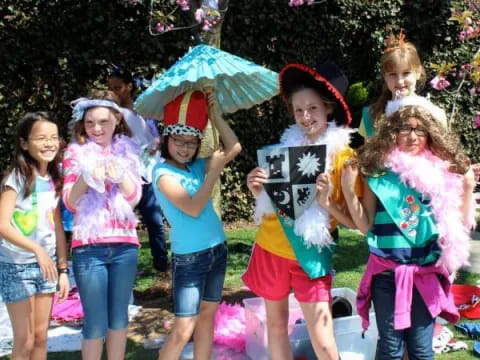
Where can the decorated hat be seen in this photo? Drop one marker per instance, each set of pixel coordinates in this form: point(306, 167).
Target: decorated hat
point(187, 114)
point(415, 100)
point(328, 79)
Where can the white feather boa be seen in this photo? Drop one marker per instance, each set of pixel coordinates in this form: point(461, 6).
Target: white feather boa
point(313, 225)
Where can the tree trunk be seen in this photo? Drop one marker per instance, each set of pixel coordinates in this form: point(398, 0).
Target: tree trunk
point(213, 38)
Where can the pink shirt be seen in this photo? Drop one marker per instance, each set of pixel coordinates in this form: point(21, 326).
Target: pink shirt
point(435, 293)
point(113, 231)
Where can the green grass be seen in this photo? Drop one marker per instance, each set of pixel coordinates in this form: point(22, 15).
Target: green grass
point(349, 261)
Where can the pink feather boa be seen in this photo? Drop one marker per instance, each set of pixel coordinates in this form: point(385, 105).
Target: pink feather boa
point(230, 326)
point(430, 176)
point(96, 209)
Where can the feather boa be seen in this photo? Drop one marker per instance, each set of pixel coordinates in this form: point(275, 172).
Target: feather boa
point(430, 176)
point(95, 208)
point(230, 325)
point(313, 225)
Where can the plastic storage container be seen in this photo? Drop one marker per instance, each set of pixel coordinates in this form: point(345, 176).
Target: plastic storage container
point(347, 330)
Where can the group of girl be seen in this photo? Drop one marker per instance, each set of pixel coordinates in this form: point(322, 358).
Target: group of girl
point(408, 189)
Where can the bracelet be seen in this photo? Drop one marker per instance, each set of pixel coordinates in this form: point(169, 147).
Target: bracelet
point(64, 271)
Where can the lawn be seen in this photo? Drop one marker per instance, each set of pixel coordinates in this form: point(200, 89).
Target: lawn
point(349, 264)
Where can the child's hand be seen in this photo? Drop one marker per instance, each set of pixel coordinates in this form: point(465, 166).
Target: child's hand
point(46, 264)
point(349, 176)
point(469, 180)
point(476, 171)
point(323, 190)
point(255, 180)
point(218, 160)
point(63, 287)
point(99, 172)
point(114, 171)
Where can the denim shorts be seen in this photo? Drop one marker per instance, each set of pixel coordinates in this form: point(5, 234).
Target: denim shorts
point(198, 277)
point(21, 281)
point(105, 275)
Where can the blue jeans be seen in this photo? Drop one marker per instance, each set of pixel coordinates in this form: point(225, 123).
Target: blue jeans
point(198, 277)
point(152, 218)
point(391, 343)
point(21, 281)
point(105, 274)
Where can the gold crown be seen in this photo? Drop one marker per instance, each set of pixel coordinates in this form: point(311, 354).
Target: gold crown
point(393, 41)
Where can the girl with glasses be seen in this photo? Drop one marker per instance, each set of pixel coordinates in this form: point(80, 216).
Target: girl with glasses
point(416, 212)
point(184, 185)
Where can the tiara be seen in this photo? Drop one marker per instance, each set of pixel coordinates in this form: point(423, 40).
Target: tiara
point(393, 41)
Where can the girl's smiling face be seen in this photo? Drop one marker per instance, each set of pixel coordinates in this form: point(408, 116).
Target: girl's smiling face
point(100, 123)
point(310, 112)
point(401, 80)
point(42, 143)
point(182, 148)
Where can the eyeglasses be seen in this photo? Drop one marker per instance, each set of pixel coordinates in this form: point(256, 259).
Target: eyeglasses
point(44, 140)
point(181, 143)
point(407, 130)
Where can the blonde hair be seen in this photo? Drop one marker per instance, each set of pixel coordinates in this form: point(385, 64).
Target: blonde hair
point(78, 131)
point(407, 55)
point(442, 143)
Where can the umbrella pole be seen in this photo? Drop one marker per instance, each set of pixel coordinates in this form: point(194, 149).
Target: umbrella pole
point(213, 112)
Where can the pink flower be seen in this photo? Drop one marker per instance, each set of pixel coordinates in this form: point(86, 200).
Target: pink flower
point(439, 83)
point(472, 91)
point(295, 3)
point(476, 120)
point(199, 15)
point(183, 4)
point(160, 28)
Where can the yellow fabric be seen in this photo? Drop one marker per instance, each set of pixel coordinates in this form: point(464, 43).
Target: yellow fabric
point(182, 115)
point(270, 235)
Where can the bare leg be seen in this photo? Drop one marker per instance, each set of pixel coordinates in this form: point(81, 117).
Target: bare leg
point(22, 317)
point(92, 349)
point(179, 336)
point(203, 334)
point(320, 328)
point(277, 327)
point(116, 344)
point(43, 309)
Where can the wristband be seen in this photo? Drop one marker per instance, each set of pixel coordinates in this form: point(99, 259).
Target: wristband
point(64, 271)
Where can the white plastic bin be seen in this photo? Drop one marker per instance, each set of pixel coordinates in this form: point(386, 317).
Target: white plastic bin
point(348, 331)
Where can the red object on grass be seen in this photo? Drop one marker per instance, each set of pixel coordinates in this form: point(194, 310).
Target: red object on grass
point(467, 300)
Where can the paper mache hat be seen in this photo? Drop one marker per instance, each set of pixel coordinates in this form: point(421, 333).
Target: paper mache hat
point(327, 78)
point(187, 114)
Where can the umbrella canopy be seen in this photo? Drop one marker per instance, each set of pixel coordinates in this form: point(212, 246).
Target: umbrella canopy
point(238, 83)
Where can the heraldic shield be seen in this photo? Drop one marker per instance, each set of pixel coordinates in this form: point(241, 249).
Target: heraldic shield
point(292, 174)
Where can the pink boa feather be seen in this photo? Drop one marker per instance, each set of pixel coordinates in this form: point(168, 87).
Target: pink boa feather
point(430, 176)
point(230, 326)
point(96, 209)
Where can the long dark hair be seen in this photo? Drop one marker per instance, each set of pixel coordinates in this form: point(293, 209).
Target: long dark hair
point(23, 165)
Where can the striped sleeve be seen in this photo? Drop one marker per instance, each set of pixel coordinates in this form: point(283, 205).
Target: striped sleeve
point(71, 173)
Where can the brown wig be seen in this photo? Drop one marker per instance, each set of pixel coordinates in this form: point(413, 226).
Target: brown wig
point(403, 55)
point(442, 143)
point(164, 148)
point(78, 131)
point(23, 165)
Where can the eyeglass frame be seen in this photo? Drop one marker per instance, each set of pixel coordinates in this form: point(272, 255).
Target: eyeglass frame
point(402, 131)
point(182, 143)
point(43, 141)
